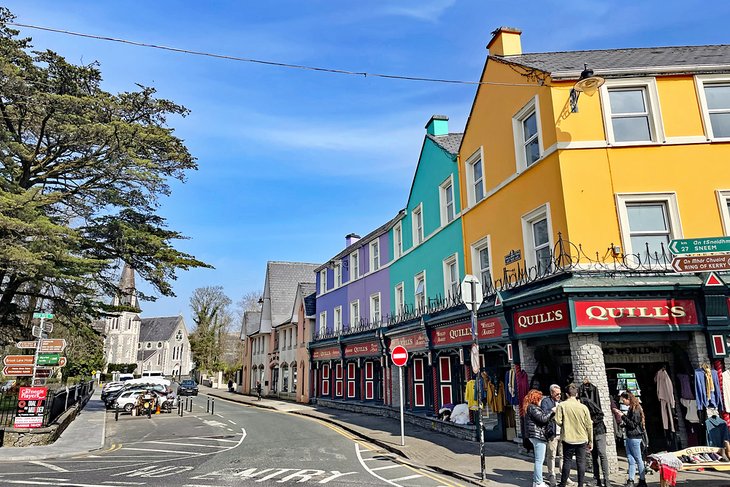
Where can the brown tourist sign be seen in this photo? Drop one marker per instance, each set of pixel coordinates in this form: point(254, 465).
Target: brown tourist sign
point(702, 263)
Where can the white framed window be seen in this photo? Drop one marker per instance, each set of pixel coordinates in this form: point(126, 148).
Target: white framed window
point(354, 265)
point(323, 323)
point(374, 255)
point(419, 284)
point(648, 221)
point(338, 319)
point(451, 275)
point(398, 239)
point(481, 261)
point(631, 111)
point(355, 313)
point(475, 178)
point(537, 235)
point(723, 201)
point(399, 298)
point(338, 273)
point(714, 94)
point(375, 312)
point(528, 134)
point(417, 223)
point(323, 281)
point(446, 200)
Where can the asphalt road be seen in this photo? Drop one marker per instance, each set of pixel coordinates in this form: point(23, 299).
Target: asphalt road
point(238, 445)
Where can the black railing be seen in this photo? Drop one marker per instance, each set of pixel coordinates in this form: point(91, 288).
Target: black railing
point(58, 401)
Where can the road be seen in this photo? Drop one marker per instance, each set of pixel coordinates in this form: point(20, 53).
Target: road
point(238, 445)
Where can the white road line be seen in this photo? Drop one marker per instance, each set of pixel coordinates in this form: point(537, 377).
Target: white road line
point(55, 468)
point(36, 482)
point(212, 438)
point(232, 422)
point(50, 478)
point(385, 467)
point(183, 444)
point(410, 477)
point(123, 483)
point(219, 415)
point(359, 457)
point(164, 451)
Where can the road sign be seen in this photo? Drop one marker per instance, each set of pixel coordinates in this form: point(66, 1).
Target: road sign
point(27, 344)
point(18, 360)
point(48, 359)
point(37, 331)
point(18, 370)
point(45, 316)
point(471, 292)
point(62, 362)
point(47, 327)
point(39, 382)
point(43, 372)
point(700, 245)
point(52, 345)
point(702, 263)
point(399, 355)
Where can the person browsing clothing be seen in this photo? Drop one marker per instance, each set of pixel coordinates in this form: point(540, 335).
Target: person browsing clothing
point(632, 421)
point(536, 421)
point(576, 426)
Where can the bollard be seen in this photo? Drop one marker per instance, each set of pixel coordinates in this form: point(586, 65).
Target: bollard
point(212, 406)
point(178, 408)
point(207, 406)
point(191, 405)
point(116, 412)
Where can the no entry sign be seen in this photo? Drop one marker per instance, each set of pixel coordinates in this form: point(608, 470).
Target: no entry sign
point(399, 355)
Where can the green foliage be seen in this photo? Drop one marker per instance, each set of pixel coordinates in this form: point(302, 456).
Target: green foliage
point(81, 174)
point(122, 368)
point(212, 318)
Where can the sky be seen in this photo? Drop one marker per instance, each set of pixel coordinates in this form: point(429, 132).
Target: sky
point(291, 161)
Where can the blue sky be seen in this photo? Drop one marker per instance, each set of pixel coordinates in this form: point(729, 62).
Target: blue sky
point(292, 161)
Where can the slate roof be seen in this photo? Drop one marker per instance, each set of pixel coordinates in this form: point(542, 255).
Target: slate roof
point(309, 291)
point(251, 323)
point(668, 59)
point(158, 329)
point(450, 142)
point(144, 355)
point(282, 279)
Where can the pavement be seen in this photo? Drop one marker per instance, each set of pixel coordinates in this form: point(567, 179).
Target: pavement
point(85, 434)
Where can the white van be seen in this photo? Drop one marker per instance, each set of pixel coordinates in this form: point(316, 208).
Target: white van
point(125, 377)
point(151, 373)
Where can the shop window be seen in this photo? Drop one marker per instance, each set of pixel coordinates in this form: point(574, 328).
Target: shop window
point(451, 276)
point(325, 380)
point(715, 101)
point(419, 383)
point(475, 178)
point(445, 380)
point(351, 382)
point(446, 200)
point(631, 111)
point(374, 255)
point(526, 128)
point(648, 223)
point(398, 240)
point(537, 235)
point(338, 380)
point(369, 381)
point(354, 265)
point(417, 221)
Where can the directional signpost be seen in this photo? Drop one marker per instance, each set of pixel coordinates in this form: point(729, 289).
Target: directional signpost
point(18, 370)
point(48, 359)
point(701, 263)
point(27, 344)
point(18, 360)
point(700, 254)
point(51, 345)
point(47, 354)
point(700, 245)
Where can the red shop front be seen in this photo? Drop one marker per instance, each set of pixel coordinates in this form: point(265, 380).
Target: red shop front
point(363, 372)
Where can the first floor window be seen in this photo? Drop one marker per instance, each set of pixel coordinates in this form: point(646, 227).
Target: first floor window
point(355, 313)
point(323, 323)
point(338, 319)
point(375, 308)
point(451, 277)
point(399, 299)
point(541, 240)
point(420, 286)
point(649, 228)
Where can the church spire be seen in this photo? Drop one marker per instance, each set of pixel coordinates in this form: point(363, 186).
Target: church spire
point(127, 287)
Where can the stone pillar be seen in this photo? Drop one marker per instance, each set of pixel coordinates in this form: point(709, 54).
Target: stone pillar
point(697, 349)
point(588, 363)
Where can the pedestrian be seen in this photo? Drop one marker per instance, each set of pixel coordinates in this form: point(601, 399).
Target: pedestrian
point(576, 434)
point(258, 389)
point(536, 422)
point(598, 453)
point(554, 444)
point(230, 385)
point(634, 425)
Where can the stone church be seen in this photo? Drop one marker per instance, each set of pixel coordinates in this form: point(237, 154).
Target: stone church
point(158, 344)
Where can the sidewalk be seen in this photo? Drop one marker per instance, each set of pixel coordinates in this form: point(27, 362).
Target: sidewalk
point(85, 434)
point(505, 465)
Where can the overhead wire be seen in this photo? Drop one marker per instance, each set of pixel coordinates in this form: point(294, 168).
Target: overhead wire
point(267, 62)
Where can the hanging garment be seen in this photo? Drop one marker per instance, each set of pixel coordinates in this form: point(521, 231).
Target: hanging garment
point(665, 394)
point(589, 391)
point(470, 396)
point(668, 475)
point(709, 384)
point(686, 390)
point(716, 396)
point(691, 406)
point(510, 379)
point(495, 397)
point(522, 385)
point(701, 389)
point(717, 431)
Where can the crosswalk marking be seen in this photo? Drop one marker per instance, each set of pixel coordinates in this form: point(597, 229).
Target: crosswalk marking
point(407, 478)
point(165, 451)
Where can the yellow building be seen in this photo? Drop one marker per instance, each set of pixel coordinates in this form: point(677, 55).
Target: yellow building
point(571, 201)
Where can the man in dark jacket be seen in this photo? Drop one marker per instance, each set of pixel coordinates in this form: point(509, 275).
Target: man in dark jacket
point(599, 443)
point(554, 444)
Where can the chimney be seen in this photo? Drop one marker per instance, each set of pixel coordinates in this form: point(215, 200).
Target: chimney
point(438, 125)
point(351, 238)
point(505, 42)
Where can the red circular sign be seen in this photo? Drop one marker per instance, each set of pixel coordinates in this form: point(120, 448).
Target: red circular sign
point(399, 355)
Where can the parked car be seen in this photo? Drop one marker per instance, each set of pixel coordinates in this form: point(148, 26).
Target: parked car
point(127, 400)
point(112, 396)
point(110, 387)
point(188, 387)
point(126, 377)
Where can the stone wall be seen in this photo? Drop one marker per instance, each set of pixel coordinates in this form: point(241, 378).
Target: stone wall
point(19, 437)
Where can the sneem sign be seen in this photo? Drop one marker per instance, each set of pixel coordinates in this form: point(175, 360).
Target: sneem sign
point(636, 313)
point(326, 353)
point(362, 349)
point(487, 329)
point(543, 319)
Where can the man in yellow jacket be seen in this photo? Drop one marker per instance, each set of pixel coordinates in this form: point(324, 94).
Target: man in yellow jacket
point(576, 426)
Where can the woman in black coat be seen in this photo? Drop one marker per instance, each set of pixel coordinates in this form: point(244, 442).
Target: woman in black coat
point(535, 422)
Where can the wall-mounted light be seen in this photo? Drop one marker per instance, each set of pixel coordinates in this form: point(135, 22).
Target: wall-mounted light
point(588, 83)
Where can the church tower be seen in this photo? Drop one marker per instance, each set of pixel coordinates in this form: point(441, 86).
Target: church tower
point(122, 330)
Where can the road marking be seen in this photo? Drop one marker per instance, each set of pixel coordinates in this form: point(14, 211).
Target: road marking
point(410, 477)
point(232, 422)
point(36, 482)
point(386, 467)
point(50, 478)
point(212, 438)
point(165, 451)
point(55, 468)
point(183, 444)
point(122, 483)
point(359, 457)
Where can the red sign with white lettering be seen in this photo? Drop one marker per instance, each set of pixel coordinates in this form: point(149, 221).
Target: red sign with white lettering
point(32, 393)
point(413, 342)
point(487, 329)
point(326, 353)
point(366, 349)
point(552, 317)
point(636, 313)
point(399, 355)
